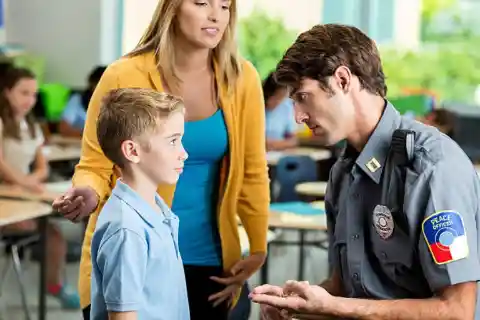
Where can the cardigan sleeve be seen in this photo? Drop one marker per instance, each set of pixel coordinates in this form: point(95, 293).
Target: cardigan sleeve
point(254, 197)
point(95, 169)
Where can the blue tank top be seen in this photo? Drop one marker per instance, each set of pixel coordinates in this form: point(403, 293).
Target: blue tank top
point(196, 194)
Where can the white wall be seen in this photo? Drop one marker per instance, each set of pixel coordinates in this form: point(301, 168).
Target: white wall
point(299, 15)
point(407, 35)
point(135, 20)
point(73, 36)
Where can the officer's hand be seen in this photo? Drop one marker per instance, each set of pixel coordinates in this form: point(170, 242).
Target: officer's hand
point(268, 312)
point(300, 299)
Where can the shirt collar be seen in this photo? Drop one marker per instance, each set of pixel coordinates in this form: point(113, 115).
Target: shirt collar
point(142, 207)
point(374, 155)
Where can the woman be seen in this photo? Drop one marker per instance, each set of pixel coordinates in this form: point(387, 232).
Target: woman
point(189, 50)
point(280, 120)
point(75, 112)
point(22, 163)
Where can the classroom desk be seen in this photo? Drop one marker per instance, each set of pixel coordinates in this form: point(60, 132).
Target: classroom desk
point(245, 244)
point(302, 224)
point(315, 189)
point(12, 211)
point(316, 154)
point(52, 191)
point(57, 139)
point(55, 153)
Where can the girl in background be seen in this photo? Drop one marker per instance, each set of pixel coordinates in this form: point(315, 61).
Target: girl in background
point(21, 147)
point(280, 120)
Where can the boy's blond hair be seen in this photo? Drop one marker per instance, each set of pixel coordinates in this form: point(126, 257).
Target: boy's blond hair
point(130, 113)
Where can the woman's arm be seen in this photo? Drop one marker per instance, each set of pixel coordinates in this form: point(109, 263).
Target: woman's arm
point(94, 169)
point(254, 198)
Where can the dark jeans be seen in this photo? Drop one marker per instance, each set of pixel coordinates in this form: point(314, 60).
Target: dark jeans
point(199, 288)
point(86, 313)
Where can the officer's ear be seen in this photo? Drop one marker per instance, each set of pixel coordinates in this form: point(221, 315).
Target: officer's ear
point(343, 78)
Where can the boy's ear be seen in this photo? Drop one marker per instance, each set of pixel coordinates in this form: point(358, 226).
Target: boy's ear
point(131, 151)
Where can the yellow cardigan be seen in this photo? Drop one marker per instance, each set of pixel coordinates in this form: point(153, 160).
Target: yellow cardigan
point(244, 187)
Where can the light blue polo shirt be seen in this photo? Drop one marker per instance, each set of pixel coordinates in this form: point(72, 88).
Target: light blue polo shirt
point(75, 112)
point(280, 121)
point(136, 264)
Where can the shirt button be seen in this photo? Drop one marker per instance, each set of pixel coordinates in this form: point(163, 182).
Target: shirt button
point(355, 236)
point(355, 276)
point(384, 255)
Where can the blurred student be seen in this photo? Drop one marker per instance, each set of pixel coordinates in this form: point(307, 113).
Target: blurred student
point(21, 147)
point(75, 112)
point(280, 121)
point(137, 268)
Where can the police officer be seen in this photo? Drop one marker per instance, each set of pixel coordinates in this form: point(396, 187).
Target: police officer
point(416, 260)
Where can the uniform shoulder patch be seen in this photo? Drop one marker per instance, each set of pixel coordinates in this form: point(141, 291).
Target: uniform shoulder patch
point(445, 235)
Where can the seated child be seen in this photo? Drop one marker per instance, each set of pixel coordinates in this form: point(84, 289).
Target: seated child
point(280, 125)
point(22, 163)
point(137, 269)
point(75, 112)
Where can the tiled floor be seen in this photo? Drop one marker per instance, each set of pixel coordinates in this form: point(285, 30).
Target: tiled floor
point(283, 266)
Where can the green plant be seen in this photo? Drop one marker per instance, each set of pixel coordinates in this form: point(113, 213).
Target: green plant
point(263, 40)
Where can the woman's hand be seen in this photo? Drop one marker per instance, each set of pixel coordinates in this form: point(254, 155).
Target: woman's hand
point(77, 203)
point(240, 273)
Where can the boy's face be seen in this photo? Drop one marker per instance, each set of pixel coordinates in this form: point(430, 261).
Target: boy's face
point(163, 160)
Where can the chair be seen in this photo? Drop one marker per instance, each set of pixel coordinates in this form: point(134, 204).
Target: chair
point(16, 242)
point(290, 171)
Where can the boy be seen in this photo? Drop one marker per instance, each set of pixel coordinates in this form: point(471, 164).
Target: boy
point(137, 270)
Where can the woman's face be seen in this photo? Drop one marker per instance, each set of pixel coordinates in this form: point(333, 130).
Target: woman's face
point(22, 96)
point(278, 96)
point(202, 23)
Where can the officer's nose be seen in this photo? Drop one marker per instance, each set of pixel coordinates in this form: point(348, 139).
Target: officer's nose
point(300, 116)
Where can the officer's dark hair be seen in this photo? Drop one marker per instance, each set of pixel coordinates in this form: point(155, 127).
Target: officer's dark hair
point(317, 53)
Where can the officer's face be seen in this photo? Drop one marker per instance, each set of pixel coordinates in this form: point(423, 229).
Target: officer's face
point(329, 114)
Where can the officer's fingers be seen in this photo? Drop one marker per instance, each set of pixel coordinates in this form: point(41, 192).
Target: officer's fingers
point(296, 288)
point(268, 289)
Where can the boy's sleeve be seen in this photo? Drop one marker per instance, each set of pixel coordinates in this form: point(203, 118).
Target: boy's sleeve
point(122, 261)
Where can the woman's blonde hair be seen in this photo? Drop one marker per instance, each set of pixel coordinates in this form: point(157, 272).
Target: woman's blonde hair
point(158, 37)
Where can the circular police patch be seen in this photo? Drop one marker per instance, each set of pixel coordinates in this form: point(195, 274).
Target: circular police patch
point(383, 221)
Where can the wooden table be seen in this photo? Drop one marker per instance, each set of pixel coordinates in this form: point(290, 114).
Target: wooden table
point(302, 224)
point(57, 139)
point(12, 211)
point(55, 152)
point(52, 191)
point(316, 154)
point(312, 189)
point(245, 244)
